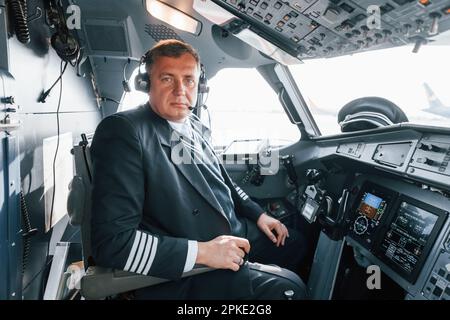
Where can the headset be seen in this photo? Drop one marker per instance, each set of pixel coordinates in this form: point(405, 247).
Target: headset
point(142, 82)
point(65, 45)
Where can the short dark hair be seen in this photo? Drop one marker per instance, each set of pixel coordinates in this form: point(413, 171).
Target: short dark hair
point(169, 48)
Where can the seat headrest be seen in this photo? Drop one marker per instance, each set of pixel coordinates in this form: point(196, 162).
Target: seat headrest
point(369, 113)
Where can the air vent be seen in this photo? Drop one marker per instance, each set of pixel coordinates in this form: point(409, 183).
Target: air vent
point(107, 38)
point(161, 32)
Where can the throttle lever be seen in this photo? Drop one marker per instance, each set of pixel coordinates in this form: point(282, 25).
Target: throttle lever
point(343, 205)
point(341, 210)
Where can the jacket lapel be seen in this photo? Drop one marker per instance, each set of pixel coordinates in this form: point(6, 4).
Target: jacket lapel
point(182, 161)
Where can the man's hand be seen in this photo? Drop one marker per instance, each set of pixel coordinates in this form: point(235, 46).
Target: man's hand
point(267, 224)
point(223, 252)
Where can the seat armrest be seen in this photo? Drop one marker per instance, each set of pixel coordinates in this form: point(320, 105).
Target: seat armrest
point(99, 282)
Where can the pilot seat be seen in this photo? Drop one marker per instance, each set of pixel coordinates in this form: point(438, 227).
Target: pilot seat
point(99, 282)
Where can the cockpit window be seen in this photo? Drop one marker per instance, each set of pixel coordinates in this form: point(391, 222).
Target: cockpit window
point(240, 106)
point(416, 82)
point(243, 106)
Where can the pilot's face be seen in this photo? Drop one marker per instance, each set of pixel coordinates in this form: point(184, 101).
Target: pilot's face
point(173, 86)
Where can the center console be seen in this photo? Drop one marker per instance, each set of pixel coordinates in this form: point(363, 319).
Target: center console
point(399, 227)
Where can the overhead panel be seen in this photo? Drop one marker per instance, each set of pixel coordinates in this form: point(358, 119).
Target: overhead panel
point(326, 28)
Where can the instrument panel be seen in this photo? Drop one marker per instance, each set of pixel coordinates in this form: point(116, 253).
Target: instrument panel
point(399, 203)
point(423, 157)
point(370, 210)
point(399, 227)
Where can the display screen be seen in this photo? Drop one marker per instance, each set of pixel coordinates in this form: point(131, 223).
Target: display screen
point(310, 210)
point(254, 146)
point(407, 236)
point(369, 211)
point(371, 206)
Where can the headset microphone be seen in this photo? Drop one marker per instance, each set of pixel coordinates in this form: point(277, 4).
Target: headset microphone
point(198, 106)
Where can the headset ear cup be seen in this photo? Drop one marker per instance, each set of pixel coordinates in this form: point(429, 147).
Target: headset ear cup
point(147, 85)
point(142, 82)
point(65, 45)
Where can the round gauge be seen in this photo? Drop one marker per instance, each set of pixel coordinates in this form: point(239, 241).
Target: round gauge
point(360, 225)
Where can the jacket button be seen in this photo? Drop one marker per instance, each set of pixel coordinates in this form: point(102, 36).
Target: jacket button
point(195, 212)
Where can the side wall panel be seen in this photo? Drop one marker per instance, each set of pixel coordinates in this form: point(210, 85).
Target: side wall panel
point(35, 67)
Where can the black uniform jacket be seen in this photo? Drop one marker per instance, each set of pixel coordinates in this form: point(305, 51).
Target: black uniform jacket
point(145, 206)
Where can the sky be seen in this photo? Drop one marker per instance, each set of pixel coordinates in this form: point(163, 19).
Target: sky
point(396, 74)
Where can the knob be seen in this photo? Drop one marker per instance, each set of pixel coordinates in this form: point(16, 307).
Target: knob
point(418, 42)
point(387, 32)
point(407, 29)
point(8, 100)
point(434, 30)
point(241, 6)
point(289, 294)
point(423, 146)
point(426, 161)
point(419, 24)
point(435, 148)
point(313, 175)
point(429, 147)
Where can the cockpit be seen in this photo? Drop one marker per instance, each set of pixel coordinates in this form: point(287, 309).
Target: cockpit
point(333, 115)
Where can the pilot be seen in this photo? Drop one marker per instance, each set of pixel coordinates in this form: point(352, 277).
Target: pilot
point(157, 213)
